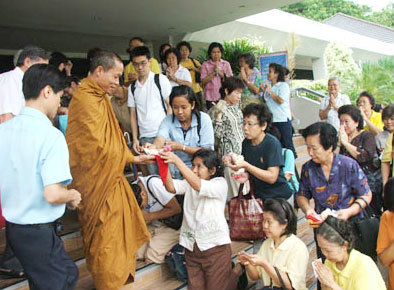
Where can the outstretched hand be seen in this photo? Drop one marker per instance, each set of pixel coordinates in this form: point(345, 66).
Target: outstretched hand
point(170, 157)
point(144, 159)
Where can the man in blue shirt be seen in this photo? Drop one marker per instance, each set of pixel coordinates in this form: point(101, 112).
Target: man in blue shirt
point(34, 170)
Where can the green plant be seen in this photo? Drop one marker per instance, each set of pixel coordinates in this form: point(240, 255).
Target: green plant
point(233, 49)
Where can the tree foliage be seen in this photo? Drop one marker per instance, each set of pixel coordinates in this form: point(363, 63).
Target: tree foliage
point(320, 10)
point(233, 49)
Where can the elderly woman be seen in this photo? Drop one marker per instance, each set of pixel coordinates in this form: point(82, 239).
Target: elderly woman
point(330, 105)
point(227, 125)
point(361, 146)
point(344, 268)
point(176, 73)
point(277, 97)
point(186, 130)
point(385, 245)
point(251, 78)
point(282, 253)
point(372, 119)
point(334, 181)
point(213, 72)
point(162, 51)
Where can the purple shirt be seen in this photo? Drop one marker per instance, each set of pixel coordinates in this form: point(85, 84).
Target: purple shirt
point(211, 89)
point(347, 181)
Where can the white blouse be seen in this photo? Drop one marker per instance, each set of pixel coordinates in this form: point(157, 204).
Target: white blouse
point(203, 214)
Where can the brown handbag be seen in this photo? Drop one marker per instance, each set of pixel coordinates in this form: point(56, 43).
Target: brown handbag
point(246, 216)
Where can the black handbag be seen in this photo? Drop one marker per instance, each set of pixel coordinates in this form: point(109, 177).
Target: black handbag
point(282, 283)
point(197, 74)
point(175, 221)
point(366, 230)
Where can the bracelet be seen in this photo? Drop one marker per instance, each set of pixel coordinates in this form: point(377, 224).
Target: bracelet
point(184, 148)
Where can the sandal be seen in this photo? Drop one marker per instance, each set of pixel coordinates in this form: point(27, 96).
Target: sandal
point(11, 273)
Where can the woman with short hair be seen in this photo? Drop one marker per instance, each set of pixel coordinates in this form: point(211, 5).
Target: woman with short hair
point(251, 78)
point(282, 251)
point(372, 119)
point(344, 268)
point(360, 145)
point(213, 72)
point(176, 73)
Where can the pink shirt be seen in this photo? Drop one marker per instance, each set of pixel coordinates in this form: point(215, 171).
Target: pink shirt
point(211, 89)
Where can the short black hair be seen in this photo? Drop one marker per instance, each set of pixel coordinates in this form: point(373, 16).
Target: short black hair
point(184, 43)
point(136, 38)
point(369, 96)
point(140, 51)
point(39, 76)
point(174, 51)
point(286, 70)
point(279, 70)
point(70, 79)
point(388, 112)
point(261, 111)
point(249, 59)
point(327, 134)
point(211, 160)
point(57, 58)
point(337, 231)
point(32, 52)
point(104, 58)
point(283, 213)
point(212, 46)
point(231, 84)
point(388, 196)
point(161, 55)
point(92, 52)
point(354, 113)
point(137, 192)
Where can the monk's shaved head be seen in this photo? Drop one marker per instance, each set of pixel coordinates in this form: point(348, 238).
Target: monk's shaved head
point(104, 58)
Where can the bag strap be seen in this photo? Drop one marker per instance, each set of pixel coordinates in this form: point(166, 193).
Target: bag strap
point(157, 82)
point(240, 190)
point(194, 62)
point(151, 192)
point(282, 283)
point(367, 211)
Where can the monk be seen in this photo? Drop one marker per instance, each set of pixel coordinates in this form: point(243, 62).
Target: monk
point(112, 224)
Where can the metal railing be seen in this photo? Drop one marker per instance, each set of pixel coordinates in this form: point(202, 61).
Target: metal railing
point(309, 91)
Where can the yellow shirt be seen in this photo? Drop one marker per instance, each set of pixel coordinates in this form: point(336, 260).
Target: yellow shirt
point(291, 257)
point(154, 67)
point(360, 273)
point(376, 119)
point(189, 63)
point(388, 151)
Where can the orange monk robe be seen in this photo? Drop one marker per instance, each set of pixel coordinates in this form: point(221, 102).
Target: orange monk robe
point(113, 227)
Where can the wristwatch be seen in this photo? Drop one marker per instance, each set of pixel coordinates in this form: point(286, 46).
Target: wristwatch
point(184, 148)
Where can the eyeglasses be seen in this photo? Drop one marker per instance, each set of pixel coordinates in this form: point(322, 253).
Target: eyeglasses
point(138, 64)
point(246, 124)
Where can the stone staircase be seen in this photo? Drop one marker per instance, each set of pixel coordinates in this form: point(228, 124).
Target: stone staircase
point(153, 276)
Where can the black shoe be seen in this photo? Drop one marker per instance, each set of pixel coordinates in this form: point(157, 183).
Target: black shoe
point(242, 279)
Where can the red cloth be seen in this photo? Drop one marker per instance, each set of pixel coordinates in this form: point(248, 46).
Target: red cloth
point(163, 168)
point(2, 219)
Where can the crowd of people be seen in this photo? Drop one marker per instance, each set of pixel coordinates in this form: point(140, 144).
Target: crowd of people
point(195, 130)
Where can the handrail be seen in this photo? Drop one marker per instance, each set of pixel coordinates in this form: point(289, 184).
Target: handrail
point(312, 92)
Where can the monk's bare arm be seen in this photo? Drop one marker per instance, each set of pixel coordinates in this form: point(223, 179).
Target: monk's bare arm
point(134, 129)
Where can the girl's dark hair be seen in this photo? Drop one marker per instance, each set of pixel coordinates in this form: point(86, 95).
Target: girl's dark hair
point(354, 113)
point(211, 160)
point(327, 134)
point(137, 192)
point(231, 84)
point(388, 112)
point(184, 43)
point(337, 231)
point(161, 54)
point(174, 51)
point(279, 70)
point(249, 59)
point(187, 93)
point(283, 213)
point(262, 113)
point(388, 197)
point(212, 46)
point(368, 96)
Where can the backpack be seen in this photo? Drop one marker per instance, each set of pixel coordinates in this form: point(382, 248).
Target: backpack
point(175, 221)
point(175, 259)
point(157, 82)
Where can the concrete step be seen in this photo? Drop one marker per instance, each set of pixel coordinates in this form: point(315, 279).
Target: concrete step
point(298, 140)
